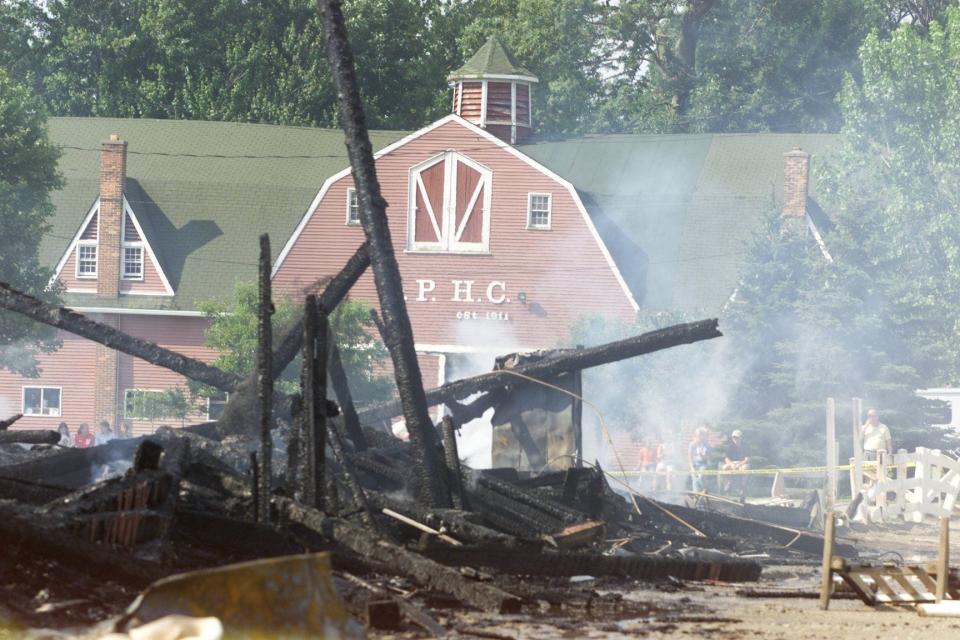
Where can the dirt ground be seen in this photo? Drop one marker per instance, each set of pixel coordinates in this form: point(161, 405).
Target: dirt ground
point(619, 610)
point(716, 611)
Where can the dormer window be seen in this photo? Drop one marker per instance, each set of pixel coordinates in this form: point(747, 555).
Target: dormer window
point(87, 259)
point(449, 205)
point(133, 262)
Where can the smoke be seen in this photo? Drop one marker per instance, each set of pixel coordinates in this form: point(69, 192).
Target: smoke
point(490, 338)
point(7, 408)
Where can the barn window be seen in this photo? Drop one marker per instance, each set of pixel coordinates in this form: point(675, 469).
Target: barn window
point(449, 205)
point(41, 401)
point(87, 260)
point(353, 207)
point(538, 211)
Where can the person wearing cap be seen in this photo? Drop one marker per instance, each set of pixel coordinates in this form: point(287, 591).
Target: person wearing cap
point(735, 459)
point(875, 435)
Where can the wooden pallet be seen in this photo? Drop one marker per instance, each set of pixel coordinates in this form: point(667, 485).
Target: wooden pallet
point(893, 584)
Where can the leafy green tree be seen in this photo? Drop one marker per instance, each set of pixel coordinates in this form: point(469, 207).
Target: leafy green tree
point(742, 65)
point(233, 333)
point(28, 172)
point(225, 59)
point(876, 321)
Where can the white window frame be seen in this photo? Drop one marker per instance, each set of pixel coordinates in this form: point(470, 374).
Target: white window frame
point(210, 400)
point(42, 388)
point(124, 245)
point(96, 260)
point(448, 235)
point(353, 204)
point(126, 392)
point(139, 247)
point(537, 226)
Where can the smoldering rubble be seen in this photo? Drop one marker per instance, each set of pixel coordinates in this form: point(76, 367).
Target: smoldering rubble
point(335, 480)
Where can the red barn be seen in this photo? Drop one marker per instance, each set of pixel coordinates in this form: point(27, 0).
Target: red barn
point(503, 241)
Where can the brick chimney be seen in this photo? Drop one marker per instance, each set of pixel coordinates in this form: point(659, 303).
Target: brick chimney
point(796, 182)
point(113, 173)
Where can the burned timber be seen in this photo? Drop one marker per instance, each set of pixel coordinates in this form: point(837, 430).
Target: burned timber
point(218, 493)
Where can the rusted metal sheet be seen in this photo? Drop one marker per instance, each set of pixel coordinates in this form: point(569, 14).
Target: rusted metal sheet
point(289, 597)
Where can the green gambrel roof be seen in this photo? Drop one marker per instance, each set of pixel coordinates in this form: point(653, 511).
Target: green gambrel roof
point(202, 191)
point(492, 59)
point(677, 211)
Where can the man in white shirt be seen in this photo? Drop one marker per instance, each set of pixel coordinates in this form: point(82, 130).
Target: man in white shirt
point(876, 436)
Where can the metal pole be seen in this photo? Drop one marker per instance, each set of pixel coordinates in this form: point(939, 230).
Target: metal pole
point(265, 379)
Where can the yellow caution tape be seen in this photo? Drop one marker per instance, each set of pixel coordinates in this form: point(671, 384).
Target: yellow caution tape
point(740, 472)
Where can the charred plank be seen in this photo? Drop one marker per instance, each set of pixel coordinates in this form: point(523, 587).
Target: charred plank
point(550, 367)
point(29, 436)
point(386, 272)
point(79, 324)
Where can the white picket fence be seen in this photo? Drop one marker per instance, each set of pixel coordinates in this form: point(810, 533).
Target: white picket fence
point(912, 486)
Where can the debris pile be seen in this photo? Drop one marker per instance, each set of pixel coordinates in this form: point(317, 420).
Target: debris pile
point(278, 475)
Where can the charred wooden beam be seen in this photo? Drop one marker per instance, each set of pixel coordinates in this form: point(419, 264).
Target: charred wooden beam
point(356, 491)
point(5, 424)
point(452, 458)
point(296, 477)
point(78, 324)
point(553, 509)
point(341, 387)
point(550, 367)
point(572, 564)
point(313, 489)
point(265, 379)
point(28, 492)
point(22, 528)
point(333, 293)
point(386, 272)
point(420, 569)
point(321, 332)
point(454, 521)
point(29, 436)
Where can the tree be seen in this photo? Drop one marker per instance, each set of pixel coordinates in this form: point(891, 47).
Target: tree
point(233, 333)
point(877, 321)
point(225, 59)
point(28, 172)
point(742, 65)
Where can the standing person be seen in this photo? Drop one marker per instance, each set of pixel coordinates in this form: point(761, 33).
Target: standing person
point(104, 433)
point(876, 436)
point(648, 462)
point(698, 456)
point(735, 459)
point(666, 465)
point(84, 438)
point(66, 440)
